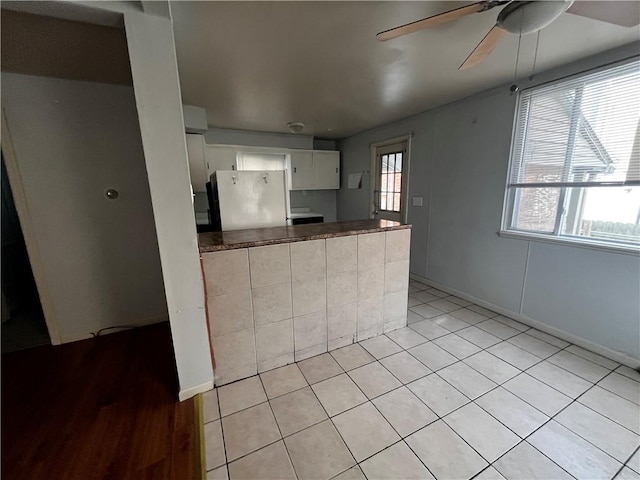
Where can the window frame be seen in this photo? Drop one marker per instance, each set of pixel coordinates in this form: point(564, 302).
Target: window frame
point(511, 192)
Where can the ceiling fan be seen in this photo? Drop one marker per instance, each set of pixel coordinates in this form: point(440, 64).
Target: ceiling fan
point(522, 17)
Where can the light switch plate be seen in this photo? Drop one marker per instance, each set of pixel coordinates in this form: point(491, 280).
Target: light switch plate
point(417, 201)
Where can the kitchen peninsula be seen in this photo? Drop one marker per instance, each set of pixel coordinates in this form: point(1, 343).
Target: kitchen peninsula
point(282, 294)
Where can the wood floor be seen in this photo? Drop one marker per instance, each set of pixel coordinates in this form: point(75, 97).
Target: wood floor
point(104, 408)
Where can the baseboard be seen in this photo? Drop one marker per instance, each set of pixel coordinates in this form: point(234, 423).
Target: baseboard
point(187, 393)
point(74, 337)
point(568, 337)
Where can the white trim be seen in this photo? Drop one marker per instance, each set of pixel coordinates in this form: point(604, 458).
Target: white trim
point(579, 341)
point(405, 172)
point(24, 216)
point(559, 240)
point(187, 393)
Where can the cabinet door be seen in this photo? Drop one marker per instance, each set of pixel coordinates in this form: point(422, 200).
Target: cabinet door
point(197, 167)
point(327, 170)
point(302, 171)
point(219, 158)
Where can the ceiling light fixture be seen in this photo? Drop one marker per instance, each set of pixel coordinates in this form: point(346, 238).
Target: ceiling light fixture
point(295, 127)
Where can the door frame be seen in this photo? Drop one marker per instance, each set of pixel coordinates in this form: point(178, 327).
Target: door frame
point(406, 165)
point(26, 224)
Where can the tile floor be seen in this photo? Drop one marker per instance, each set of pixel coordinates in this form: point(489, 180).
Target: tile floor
point(461, 393)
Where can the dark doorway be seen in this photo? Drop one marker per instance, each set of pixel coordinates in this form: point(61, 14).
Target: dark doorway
point(23, 324)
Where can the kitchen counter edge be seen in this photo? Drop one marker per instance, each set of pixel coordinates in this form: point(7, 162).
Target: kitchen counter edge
point(259, 237)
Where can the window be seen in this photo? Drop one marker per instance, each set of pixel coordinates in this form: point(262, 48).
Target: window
point(391, 181)
point(390, 164)
point(575, 161)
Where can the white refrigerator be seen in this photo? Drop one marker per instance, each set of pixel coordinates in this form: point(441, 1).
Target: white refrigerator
point(249, 199)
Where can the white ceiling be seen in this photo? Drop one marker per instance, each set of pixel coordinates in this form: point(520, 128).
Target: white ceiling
point(259, 65)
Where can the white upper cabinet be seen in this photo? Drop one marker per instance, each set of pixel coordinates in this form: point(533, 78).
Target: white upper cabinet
point(315, 170)
point(302, 171)
point(327, 169)
point(197, 167)
point(219, 158)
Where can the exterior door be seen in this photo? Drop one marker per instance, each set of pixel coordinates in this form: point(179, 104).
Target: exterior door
point(390, 185)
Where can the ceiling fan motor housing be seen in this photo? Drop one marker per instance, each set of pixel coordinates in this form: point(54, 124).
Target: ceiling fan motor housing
point(528, 17)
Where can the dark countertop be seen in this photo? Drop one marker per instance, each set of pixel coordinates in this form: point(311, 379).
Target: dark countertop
point(216, 241)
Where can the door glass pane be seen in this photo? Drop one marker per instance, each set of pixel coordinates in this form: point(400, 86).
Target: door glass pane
point(396, 202)
point(383, 201)
point(390, 181)
point(399, 162)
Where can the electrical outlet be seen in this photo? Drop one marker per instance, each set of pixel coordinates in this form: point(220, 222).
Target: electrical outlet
point(417, 201)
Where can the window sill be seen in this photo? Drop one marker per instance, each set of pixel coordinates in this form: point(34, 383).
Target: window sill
point(589, 244)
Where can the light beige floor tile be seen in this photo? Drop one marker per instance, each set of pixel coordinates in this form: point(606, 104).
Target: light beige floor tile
point(404, 411)
point(219, 473)
point(318, 452)
point(406, 337)
point(526, 463)
point(572, 453)
point(405, 367)
point(629, 372)
point(249, 430)
point(627, 474)
point(514, 355)
point(297, 410)
point(509, 322)
point(458, 301)
point(426, 311)
point(381, 346)
point(623, 386)
point(498, 329)
point(492, 367)
point(338, 394)
point(283, 380)
point(605, 434)
point(240, 395)
point(563, 381)
point(424, 297)
point(444, 453)
point(437, 394)
point(413, 317)
point(478, 337)
point(428, 329)
point(578, 366)
point(466, 379)
point(396, 462)
point(321, 367)
point(210, 409)
point(352, 356)
point(445, 305)
point(271, 462)
point(489, 473)
point(612, 406)
point(374, 380)
point(533, 345)
point(450, 322)
point(411, 301)
point(432, 356)
point(555, 341)
point(469, 316)
point(365, 431)
point(437, 293)
point(634, 462)
point(513, 412)
point(484, 433)
point(214, 446)
point(482, 311)
point(457, 346)
point(354, 473)
point(594, 357)
point(537, 394)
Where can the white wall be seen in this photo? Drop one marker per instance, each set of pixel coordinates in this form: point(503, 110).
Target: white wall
point(72, 141)
point(459, 162)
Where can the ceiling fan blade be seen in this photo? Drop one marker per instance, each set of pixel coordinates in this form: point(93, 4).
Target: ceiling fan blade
point(623, 13)
point(436, 20)
point(484, 48)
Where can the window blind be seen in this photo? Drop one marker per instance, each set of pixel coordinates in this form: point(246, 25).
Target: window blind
point(583, 131)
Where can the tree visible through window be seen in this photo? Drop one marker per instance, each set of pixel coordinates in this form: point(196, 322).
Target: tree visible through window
point(575, 166)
